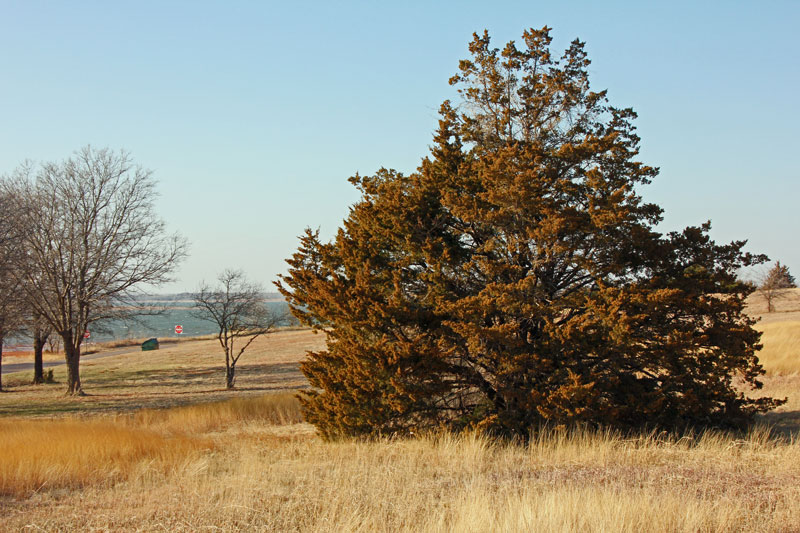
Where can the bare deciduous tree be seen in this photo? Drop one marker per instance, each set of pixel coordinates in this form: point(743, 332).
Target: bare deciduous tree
point(237, 307)
point(91, 239)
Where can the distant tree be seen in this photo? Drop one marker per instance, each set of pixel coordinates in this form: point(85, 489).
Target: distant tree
point(53, 344)
point(774, 284)
point(91, 238)
point(238, 309)
point(516, 279)
point(10, 310)
point(11, 303)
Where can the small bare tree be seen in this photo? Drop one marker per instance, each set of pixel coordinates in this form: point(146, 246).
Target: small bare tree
point(236, 305)
point(773, 284)
point(91, 237)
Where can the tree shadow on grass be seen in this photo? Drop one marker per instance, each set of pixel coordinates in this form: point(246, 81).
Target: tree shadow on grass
point(251, 377)
point(784, 423)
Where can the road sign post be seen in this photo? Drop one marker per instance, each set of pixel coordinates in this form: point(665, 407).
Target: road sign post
point(178, 329)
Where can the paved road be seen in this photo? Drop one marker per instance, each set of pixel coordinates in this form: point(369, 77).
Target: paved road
point(22, 367)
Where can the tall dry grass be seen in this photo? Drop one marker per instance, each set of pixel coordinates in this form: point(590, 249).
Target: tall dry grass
point(41, 454)
point(276, 408)
point(260, 474)
point(781, 352)
point(579, 481)
point(72, 453)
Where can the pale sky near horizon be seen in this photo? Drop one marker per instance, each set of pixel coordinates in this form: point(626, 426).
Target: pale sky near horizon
point(252, 115)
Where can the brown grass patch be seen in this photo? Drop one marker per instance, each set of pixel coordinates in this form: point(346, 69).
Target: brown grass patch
point(178, 374)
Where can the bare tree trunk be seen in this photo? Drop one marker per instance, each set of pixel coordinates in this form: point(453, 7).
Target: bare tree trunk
point(72, 355)
point(38, 365)
point(230, 376)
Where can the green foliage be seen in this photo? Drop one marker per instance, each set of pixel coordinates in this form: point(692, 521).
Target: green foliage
point(516, 278)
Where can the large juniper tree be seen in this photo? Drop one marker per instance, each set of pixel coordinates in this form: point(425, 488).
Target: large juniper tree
point(516, 278)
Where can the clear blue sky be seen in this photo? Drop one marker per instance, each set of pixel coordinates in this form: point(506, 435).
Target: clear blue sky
point(252, 115)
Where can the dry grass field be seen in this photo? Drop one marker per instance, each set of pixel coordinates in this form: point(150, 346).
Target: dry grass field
point(159, 445)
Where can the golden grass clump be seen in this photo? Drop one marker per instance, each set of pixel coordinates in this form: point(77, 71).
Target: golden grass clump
point(276, 408)
point(72, 453)
point(283, 478)
point(45, 454)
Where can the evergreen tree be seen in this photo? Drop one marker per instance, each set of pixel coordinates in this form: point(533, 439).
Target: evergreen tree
point(516, 278)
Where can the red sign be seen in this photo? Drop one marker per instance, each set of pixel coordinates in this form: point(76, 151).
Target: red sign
point(179, 329)
point(86, 334)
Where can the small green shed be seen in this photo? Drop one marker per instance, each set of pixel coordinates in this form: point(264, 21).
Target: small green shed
point(150, 344)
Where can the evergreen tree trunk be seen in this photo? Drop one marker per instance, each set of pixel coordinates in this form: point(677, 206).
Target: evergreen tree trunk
point(38, 365)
